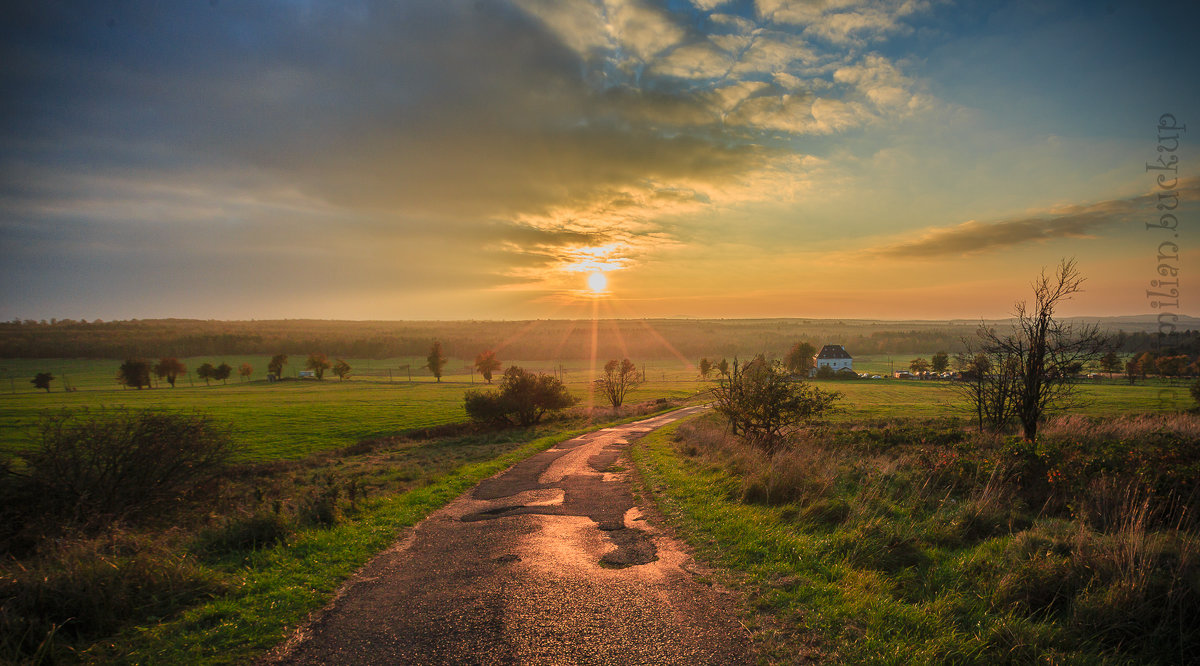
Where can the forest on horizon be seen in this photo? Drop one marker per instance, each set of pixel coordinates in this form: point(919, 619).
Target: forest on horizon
point(533, 340)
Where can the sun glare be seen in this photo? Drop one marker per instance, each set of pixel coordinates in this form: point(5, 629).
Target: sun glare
point(597, 282)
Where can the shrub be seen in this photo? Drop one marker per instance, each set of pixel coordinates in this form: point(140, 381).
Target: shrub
point(86, 466)
point(261, 530)
point(762, 403)
point(521, 399)
point(85, 589)
point(320, 505)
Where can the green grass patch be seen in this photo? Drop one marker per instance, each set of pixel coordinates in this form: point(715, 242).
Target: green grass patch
point(286, 420)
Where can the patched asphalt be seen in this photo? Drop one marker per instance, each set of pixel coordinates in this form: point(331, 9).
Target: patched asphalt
point(549, 562)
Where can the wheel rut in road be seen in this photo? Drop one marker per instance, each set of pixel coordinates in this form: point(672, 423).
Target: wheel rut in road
point(548, 562)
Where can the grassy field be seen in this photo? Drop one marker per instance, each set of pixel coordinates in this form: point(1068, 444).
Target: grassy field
point(293, 418)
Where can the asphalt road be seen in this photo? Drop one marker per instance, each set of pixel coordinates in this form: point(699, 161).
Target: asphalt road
point(549, 562)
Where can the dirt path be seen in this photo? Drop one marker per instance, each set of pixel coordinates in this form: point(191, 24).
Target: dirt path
point(548, 562)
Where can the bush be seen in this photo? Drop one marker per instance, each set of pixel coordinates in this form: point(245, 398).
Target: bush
point(521, 399)
point(261, 530)
point(85, 589)
point(762, 403)
point(123, 464)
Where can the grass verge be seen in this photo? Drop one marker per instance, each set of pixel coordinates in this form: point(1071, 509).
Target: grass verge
point(918, 543)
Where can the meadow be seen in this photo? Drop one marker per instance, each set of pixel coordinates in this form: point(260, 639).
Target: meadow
point(291, 419)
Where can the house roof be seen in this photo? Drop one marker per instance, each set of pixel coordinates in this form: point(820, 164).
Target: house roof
point(834, 351)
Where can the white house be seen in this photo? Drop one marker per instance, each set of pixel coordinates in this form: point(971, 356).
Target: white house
point(835, 357)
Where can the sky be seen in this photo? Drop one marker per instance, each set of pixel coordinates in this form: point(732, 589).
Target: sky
point(485, 159)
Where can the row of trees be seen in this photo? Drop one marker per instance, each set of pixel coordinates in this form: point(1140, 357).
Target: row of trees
point(137, 372)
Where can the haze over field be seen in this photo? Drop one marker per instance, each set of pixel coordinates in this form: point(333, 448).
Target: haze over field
point(563, 158)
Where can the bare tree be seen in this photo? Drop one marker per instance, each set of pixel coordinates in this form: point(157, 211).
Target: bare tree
point(1042, 349)
point(989, 382)
point(618, 378)
point(341, 369)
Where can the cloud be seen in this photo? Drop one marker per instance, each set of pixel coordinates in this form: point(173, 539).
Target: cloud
point(843, 22)
point(526, 134)
point(1078, 221)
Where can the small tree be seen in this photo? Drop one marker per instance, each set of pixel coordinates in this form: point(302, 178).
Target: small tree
point(1110, 363)
point(1132, 371)
point(988, 383)
point(436, 360)
point(318, 364)
point(134, 372)
point(1147, 363)
point(705, 367)
point(222, 372)
point(169, 368)
point(341, 369)
point(618, 378)
point(245, 370)
point(800, 359)
point(940, 362)
point(487, 363)
point(722, 367)
point(761, 402)
point(521, 399)
point(275, 367)
point(207, 372)
point(918, 365)
point(42, 381)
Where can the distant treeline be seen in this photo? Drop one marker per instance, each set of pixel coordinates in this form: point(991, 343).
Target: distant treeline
point(536, 340)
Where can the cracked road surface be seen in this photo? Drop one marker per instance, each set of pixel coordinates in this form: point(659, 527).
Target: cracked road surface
point(549, 562)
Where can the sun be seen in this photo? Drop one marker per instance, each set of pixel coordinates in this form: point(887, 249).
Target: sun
point(597, 282)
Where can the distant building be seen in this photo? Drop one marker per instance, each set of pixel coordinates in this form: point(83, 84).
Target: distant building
point(835, 357)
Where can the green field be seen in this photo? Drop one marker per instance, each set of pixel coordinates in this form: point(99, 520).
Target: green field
point(293, 418)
